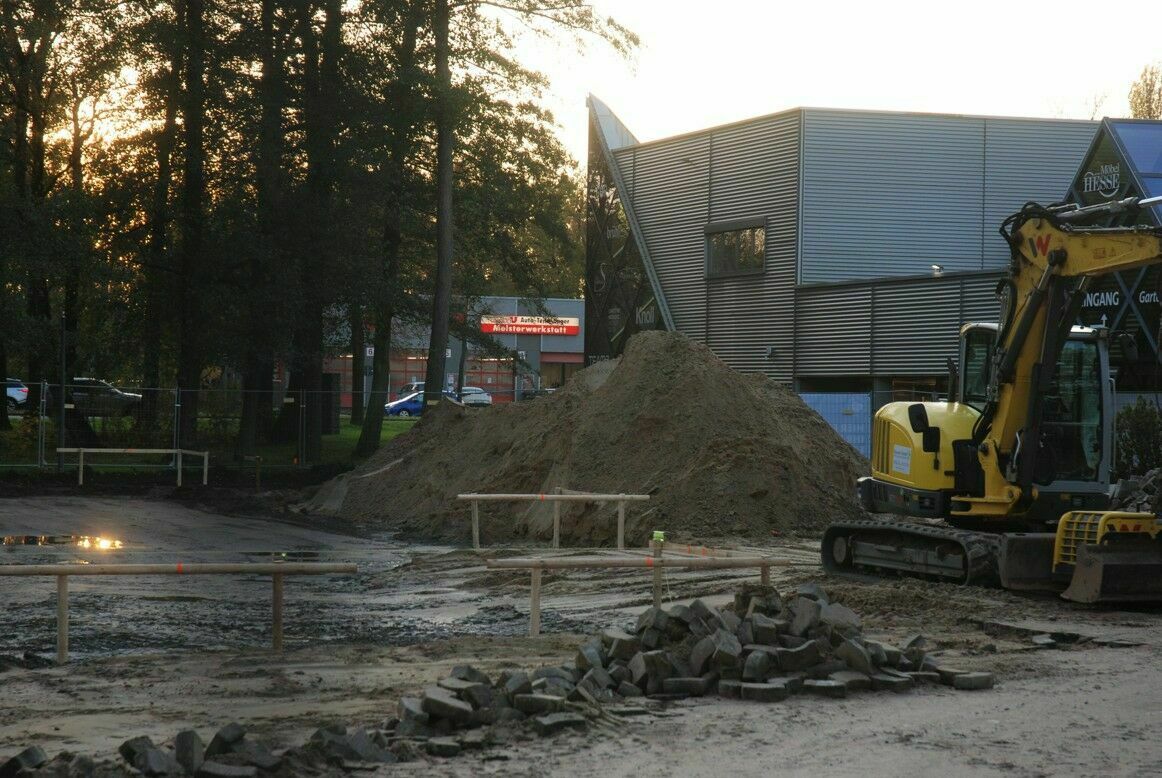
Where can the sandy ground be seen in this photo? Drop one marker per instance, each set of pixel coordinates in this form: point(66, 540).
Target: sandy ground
point(155, 655)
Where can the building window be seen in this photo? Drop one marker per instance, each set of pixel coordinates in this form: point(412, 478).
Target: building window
point(735, 248)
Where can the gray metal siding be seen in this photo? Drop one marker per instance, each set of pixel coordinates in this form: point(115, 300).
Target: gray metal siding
point(888, 328)
point(1026, 159)
point(979, 302)
point(754, 172)
point(916, 326)
point(833, 327)
point(889, 194)
point(670, 190)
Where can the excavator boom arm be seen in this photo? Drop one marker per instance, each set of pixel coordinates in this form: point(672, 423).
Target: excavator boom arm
point(1053, 262)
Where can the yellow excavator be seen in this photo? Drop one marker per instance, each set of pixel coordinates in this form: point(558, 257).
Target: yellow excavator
point(1018, 462)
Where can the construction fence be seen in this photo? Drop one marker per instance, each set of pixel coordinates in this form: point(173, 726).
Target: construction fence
point(98, 416)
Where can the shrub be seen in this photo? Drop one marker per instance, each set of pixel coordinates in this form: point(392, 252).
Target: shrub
point(1139, 438)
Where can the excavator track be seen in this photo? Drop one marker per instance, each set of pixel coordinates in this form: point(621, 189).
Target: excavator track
point(904, 548)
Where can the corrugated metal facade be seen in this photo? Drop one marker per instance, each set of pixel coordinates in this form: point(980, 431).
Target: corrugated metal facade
point(1026, 159)
point(750, 319)
point(833, 328)
point(892, 194)
point(869, 198)
point(889, 195)
point(670, 194)
point(902, 327)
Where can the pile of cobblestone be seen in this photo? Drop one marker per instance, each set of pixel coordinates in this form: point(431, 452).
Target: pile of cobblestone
point(761, 648)
point(765, 648)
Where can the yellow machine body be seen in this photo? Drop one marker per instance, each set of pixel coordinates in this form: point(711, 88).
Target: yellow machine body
point(898, 455)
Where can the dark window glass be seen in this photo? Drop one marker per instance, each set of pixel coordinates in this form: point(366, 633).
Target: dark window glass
point(977, 368)
point(1143, 143)
point(736, 251)
point(1071, 413)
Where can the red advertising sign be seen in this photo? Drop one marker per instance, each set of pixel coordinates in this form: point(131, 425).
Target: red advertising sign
point(529, 325)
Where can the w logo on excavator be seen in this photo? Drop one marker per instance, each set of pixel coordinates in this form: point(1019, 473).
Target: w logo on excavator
point(1039, 245)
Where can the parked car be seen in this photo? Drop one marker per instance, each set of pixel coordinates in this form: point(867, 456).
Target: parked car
point(94, 397)
point(411, 388)
point(17, 393)
point(412, 405)
point(474, 395)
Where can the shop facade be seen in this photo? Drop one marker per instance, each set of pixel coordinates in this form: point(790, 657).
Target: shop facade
point(518, 347)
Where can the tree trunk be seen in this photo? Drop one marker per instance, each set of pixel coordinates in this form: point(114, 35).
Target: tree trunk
point(321, 104)
point(256, 401)
point(442, 296)
point(154, 280)
point(402, 139)
point(5, 424)
point(355, 320)
point(192, 222)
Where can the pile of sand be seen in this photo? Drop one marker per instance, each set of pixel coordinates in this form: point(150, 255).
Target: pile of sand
point(722, 454)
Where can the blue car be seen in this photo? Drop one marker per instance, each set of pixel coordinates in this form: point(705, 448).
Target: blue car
point(409, 405)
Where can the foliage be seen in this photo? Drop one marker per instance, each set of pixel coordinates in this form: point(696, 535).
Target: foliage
point(1139, 438)
point(1146, 94)
point(200, 187)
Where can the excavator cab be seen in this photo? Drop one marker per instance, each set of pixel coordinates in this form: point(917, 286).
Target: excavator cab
point(1076, 446)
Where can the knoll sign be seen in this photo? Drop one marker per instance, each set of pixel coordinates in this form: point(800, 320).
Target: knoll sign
point(529, 325)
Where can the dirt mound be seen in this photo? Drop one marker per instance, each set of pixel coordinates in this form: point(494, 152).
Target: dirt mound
point(722, 454)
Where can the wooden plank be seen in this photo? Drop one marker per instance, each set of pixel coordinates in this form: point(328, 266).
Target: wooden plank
point(276, 611)
point(556, 525)
point(475, 525)
point(593, 562)
point(198, 568)
point(552, 497)
point(621, 525)
point(62, 619)
point(535, 604)
point(656, 561)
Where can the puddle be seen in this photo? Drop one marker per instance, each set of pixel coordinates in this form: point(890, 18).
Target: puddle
point(287, 556)
point(76, 541)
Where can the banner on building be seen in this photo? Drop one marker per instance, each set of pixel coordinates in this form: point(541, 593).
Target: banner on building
point(529, 325)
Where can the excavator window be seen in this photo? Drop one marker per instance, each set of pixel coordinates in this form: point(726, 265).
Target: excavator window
point(978, 353)
point(1071, 413)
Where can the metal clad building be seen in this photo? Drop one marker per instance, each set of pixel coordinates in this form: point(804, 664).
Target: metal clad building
point(837, 250)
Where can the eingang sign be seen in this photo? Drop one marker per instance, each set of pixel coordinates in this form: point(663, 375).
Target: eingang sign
point(529, 325)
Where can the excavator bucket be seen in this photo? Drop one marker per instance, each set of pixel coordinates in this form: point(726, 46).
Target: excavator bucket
point(1129, 570)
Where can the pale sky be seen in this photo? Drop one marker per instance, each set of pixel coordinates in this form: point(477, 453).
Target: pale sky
point(707, 63)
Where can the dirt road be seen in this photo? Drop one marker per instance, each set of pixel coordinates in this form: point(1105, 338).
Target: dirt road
point(154, 655)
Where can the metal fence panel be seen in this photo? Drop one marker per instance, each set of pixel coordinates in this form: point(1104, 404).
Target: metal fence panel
point(849, 414)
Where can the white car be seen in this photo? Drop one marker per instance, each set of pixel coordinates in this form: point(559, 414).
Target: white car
point(474, 395)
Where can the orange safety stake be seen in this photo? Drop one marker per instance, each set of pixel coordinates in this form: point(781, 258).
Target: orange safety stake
point(179, 567)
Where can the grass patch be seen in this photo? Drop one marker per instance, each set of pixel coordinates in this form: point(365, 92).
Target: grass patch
point(18, 445)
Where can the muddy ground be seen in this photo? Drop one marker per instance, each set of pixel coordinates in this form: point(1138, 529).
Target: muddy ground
point(155, 655)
